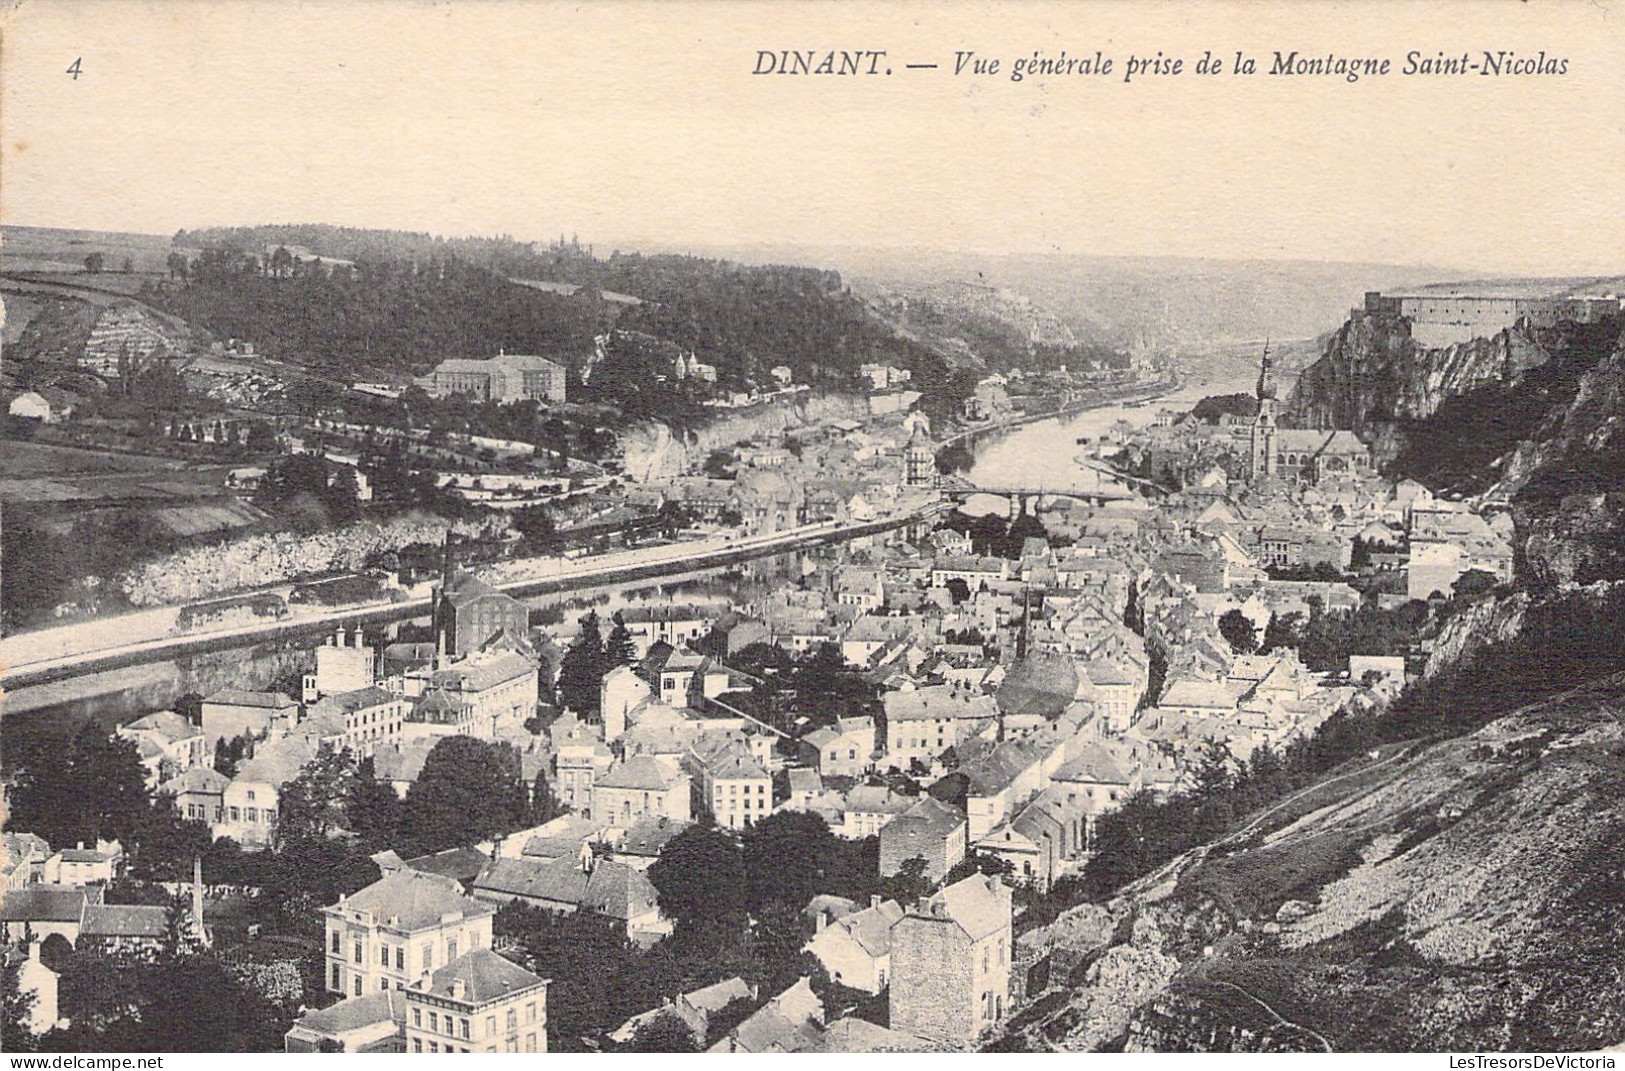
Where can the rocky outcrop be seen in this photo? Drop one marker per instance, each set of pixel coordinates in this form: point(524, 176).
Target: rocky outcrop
point(1372, 373)
point(654, 451)
point(260, 560)
point(1567, 484)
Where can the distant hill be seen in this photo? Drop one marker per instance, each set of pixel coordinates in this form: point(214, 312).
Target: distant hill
point(1157, 305)
point(328, 296)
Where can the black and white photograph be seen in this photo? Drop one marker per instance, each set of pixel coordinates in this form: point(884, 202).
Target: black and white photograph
point(799, 527)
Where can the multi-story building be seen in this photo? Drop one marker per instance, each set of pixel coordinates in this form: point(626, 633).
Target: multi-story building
point(167, 743)
point(845, 749)
point(923, 722)
point(399, 929)
point(507, 377)
point(469, 613)
point(490, 693)
point(248, 805)
point(477, 1003)
point(642, 787)
point(736, 790)
point(856, 949)
point(360, 720)
point(579, 760)
point(619, 693)
point(232, 712)
point(930, 830)
point(950, 960)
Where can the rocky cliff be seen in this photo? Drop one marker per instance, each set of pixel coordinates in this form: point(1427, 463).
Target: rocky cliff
point(1372, 372)
point(1530, 418)
point(655, 452)
point(1466, 893)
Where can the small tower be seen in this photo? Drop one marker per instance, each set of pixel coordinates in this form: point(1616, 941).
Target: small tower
point(1264, 424)
point(919, 460)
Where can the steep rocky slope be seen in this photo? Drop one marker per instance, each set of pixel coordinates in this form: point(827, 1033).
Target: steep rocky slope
point(1466, 894)
point(1372, 372)
point(1530, 418)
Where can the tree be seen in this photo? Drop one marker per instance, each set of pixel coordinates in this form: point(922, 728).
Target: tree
point(544, 806)
point(979, 863)
point(16, 1008)
point(700, 876)
point(785, 856)
point(312, 805)
point(1472, 583)
point(372, 809)
point(664, 1032)
point(582, 668)
point(468, 791)
point(909, 883)
point(1237, 629)
point(176, 263)
point(619, 650)
point(1284, 630)
point(95, 262)
point(534, 523)
point(281, 262)
point(958, 589)
point(169, 843)
point(97, 790)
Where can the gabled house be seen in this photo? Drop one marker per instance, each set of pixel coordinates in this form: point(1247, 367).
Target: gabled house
point(856, 948)
point(951, 956)
point(479, 1002)
point(399, 928)
point(845, 749)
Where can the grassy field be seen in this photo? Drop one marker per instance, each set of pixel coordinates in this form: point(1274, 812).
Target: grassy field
point(51, 250)
point(24, 460)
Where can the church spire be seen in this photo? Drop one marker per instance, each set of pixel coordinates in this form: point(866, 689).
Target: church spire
point(1264, 388)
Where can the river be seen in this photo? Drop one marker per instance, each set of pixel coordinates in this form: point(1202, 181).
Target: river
point(41, 714)
point(1045, 453)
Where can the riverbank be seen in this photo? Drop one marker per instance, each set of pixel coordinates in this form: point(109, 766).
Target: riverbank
point(1141, 393)
point(55, 654)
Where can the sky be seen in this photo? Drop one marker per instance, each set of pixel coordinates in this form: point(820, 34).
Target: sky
point(642, 123)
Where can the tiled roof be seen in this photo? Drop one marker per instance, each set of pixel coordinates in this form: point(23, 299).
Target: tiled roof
point(871, 928)
point(975, 903)
point(276, 762)
point(937, 702)
point(356, 1013)
point(411, 900)
point(125, 920)
point(642, 772)
point(167, 724)
point(648, 836)
point(42, 903)
point(1095, 763)
point(237, 697)
point(197, 779)
point(485, 977)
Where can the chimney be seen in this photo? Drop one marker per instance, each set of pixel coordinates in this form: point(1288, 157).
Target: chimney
point(821, 921)
point(874, 899)
point(197, 894)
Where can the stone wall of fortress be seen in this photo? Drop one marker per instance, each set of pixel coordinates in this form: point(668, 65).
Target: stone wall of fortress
point(1440, 320)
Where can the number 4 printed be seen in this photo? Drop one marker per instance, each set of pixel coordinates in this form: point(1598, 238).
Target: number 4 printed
point(73, 68)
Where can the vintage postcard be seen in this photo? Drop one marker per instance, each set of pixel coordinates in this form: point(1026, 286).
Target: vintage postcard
point(802, 527)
